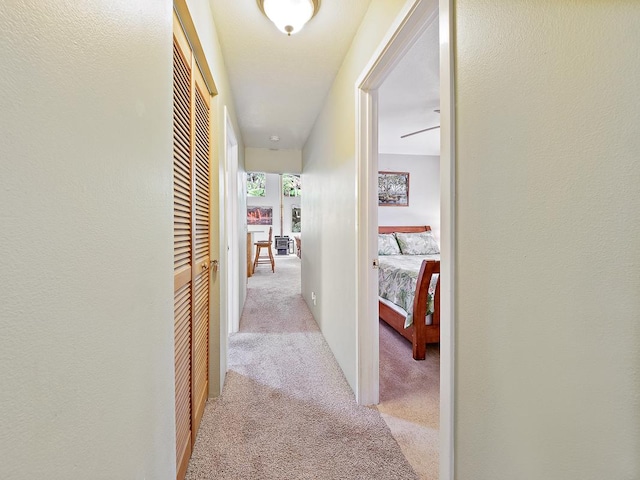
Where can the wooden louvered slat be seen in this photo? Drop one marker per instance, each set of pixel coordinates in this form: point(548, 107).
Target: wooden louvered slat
point(181, 204)
point(179, 146)
point(181, 185)
point(182, 161)
point(182, 106)
point(181, 179)
point(182, 194)
point(203, 173)
point(181, 172)
point(183, 217)
point(181, 261)
point(181, 212)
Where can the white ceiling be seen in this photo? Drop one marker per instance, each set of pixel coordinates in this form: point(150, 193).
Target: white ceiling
point(408, 98)
point(279, 83)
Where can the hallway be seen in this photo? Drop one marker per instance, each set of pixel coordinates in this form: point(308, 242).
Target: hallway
point(286, 410)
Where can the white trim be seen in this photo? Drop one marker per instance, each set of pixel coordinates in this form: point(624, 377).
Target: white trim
point(222, 269)
point(367, 348)
point(413, 19)
point(232, 237)
point(447, 239)
point(229, 267)
point(415, 16)
point(404, 31)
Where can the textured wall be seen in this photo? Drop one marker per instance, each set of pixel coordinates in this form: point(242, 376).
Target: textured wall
point(424, 191)
point(548, 222)
point(86, 311)
point(329, 200)
point(273, 161)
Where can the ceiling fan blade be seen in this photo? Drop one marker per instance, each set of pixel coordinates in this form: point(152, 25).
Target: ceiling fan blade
point(420, 131)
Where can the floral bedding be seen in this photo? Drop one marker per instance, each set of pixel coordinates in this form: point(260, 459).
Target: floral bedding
point(397, 278)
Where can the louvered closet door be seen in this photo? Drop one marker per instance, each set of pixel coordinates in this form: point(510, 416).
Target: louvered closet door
point(191, 154)
point(202, 153)
point(182, 246)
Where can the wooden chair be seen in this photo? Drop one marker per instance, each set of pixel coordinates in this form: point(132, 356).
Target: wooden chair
point(298, 246)
point(264, 259)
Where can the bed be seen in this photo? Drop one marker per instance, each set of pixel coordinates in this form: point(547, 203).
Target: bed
point(409, 281)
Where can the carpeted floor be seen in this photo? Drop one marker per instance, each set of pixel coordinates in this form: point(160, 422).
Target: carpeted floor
point(286, 410)
point(410, 400)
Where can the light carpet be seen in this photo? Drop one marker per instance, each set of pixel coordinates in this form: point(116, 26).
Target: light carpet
point(410, 400)
point(286, 410)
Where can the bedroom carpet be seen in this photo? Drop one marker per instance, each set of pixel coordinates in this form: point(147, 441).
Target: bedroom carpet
point(410, 400)
point(286, 410)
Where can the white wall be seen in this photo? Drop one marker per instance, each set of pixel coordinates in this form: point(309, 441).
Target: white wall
point(272, 199)
point(548, 251)
point(328, 201)
point(86, 303)
point(424, 191)
point(273, 161)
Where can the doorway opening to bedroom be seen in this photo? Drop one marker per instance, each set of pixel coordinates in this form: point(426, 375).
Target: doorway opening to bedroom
point(408, 204)
point(405, 169)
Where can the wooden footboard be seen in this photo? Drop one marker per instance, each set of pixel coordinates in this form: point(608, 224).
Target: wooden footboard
point(419, 334)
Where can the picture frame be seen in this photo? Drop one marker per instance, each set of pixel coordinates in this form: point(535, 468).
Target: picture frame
point(393, 189)
point(296, 224)
point(259, 215)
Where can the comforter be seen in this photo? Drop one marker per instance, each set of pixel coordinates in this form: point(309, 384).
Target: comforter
point(397, 279)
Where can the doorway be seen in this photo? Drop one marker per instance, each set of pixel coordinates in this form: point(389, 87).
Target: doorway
point(410, 24)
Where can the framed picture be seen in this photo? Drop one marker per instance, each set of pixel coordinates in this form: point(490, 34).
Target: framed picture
point(259, 215)
point(256, 184)
point(393, 189)
point(295, 219)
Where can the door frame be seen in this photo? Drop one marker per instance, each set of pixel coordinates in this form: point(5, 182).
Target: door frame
point(229, 257)
point(232, 225)
point(409, 24)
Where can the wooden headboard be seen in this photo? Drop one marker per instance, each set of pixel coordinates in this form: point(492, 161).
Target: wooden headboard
point(416, 229)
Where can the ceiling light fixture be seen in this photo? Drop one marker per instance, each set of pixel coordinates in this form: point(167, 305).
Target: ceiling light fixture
point(289, 15)
point(274, 138)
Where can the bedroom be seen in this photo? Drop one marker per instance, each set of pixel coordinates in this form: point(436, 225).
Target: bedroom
point(408, 103)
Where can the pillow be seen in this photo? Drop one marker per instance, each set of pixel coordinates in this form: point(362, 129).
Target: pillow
point(387, 244)
point(421, 243)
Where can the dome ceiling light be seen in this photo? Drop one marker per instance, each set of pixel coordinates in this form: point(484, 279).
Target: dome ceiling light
point(289, 15)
